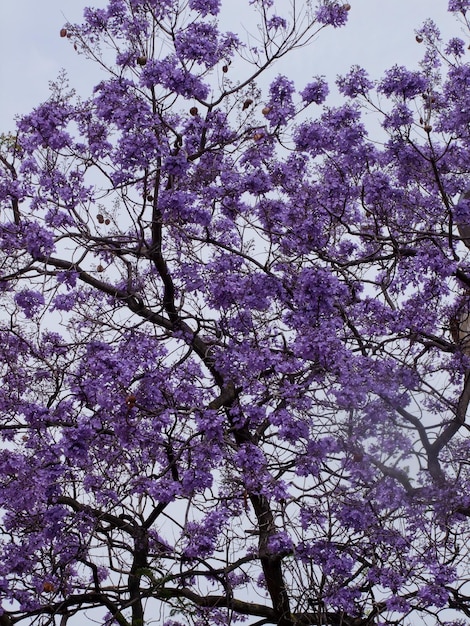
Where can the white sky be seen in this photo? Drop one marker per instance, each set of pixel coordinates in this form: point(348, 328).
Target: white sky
point(379, 34)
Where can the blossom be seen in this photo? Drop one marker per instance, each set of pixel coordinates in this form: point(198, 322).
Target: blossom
point(280, 107)
point(280, 543)
point(399, 81)
point(459, 5)
point(275, 23)
point(64, 301)
point(316, 91)
point(29, 302)
point(332, 13)
point(202, 536)
point(455, 46)
point(355, 83)
point(174, 78)
point(400, 115)
point(198, 42)
point(205, 7)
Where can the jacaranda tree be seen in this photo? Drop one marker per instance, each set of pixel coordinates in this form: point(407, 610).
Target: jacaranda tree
point(234, 358)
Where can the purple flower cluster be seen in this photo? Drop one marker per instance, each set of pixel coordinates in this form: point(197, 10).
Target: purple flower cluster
point(199, 42)
point(205, 7)
point(400, 82)
point(332, 13)
point(316, 91)
point(355, 83)
point(280, 107)
point(459, 5)
point(171, 76)
point(30, 302)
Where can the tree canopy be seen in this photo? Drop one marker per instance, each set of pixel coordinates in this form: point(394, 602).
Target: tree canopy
point(235, 362)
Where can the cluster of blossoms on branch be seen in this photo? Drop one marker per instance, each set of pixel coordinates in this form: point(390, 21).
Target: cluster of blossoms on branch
point(234, 361)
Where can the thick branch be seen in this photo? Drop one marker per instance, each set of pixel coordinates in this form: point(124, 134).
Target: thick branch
point(451, 429)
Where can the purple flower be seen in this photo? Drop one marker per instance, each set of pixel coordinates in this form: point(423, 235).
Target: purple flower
point(280, 544)
point(400, 115)
point(198, 42)
point(316, 91)
point(202, 536)
point(458, 5)
point(332, 13)
point(280, 107)
point(355, 83)
point(397, 604)
point(176, 165)
point(37, 240)
point(401, 82)
point(171, 76)
point(433, 595)
point(46, 126)
point(29, 301)
point(64, 301)
point(276, 22)
point(455, 46)
point(205, 7)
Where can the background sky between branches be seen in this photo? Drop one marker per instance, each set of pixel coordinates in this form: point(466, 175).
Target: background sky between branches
point(379, 34)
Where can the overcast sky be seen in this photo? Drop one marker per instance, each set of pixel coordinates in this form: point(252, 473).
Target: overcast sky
point(379, 34)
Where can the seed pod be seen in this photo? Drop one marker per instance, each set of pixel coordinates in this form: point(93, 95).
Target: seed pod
point(63, 32)
point(107, 222)
point(248, 102)
point(48, 587)
point(142, 60)
point(224, 69)
point(131, 400)
point(347, 6)
point(100, 218)
point(427, 128)
point(193, 110)
point(99, 268)
point(419, 39)
point(265, 110)
point(258, 136)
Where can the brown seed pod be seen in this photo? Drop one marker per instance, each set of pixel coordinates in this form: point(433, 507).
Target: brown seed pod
point(107, 222)
point(99, 268)
point(347, 6)
point(427, 128)
point(248, 102)
point(419, 39)
point(100, 218)
point(193, 110)
point(48, 586)
point(224, 69)
point(63, 32)
point(131, 400)
point(266, 110)
point(149, 198)
point(142, 60)
point(258, 136)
